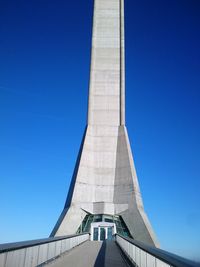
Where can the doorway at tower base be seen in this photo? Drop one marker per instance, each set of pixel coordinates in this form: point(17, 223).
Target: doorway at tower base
point(101, 231)
point(103, 226)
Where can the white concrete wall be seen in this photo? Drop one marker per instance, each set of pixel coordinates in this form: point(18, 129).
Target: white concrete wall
point(106, 180)
point(107, 72)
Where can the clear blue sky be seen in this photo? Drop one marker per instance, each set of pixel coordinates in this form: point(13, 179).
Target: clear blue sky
point(44, 74)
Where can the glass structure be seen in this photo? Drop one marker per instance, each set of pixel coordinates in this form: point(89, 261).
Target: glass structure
point(117, 220)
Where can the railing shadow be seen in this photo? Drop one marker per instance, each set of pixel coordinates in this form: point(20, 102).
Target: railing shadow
point(111, 255)
point(100, 260)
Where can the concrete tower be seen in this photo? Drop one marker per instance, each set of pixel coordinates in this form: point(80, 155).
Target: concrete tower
point(104, 195)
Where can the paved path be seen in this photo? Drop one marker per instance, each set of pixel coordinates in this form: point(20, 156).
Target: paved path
point(92, 254)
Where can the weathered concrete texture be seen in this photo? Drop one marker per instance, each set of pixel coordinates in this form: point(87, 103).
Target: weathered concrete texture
point(83, 255)
point(105, 180)
point(107, 64)
point(92, 254)
point(106, 183)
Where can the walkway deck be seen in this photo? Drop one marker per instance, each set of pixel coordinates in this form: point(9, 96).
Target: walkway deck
point(92, 254)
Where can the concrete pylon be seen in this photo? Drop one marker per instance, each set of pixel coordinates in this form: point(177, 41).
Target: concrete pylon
point(105, 179)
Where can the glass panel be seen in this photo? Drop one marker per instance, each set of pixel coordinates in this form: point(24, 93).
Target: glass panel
point(119, 222)
point(108, 220)
point(110, 233)
point(105, 217)
point(126, 234)
point(119, 231)
point(82, 226)
point(102, 234)
point(95, 233)
point(97, 218)
point(88, 224)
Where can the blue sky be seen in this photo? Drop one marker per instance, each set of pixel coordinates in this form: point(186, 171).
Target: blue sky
point(44, 75)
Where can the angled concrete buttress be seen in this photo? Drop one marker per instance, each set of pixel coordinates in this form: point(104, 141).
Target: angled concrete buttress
point(105, 180)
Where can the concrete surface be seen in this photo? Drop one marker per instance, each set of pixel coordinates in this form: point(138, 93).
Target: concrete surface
point(105, 179)
point(92, 254)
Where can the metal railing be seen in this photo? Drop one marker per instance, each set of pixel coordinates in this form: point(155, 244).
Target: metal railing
point(36, 252)
point(142, 255)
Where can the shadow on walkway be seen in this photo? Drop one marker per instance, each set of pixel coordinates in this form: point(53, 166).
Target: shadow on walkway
point(100, 260)
point(110, 255)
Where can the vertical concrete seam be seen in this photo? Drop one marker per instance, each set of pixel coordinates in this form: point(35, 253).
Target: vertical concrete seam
point(5, 259)
point(120, 64)
point(91, 67)
point(25, 257)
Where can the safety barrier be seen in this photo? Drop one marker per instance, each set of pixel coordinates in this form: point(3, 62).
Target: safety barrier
point(36, 252)
point(142, 255)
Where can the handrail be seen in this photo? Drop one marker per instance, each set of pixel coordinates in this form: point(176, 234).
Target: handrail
point(36, 252)
point(30, 243)
point(162, 255)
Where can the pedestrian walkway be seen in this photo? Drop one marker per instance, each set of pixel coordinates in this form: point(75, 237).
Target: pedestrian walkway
point(92, 254)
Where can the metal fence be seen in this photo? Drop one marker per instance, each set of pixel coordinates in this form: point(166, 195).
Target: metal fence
point(34, 253)
point(142, 255)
